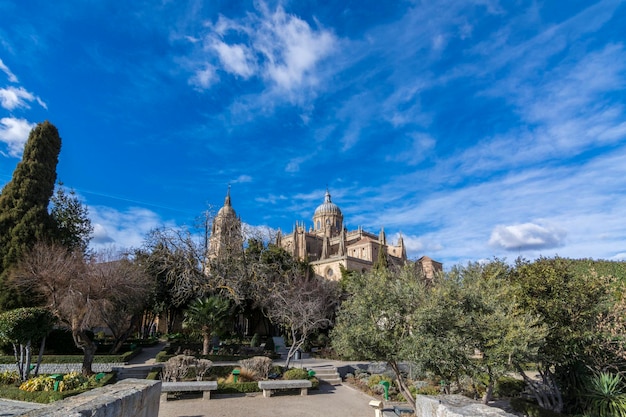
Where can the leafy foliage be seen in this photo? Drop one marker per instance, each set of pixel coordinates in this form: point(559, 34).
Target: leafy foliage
point(71, 218)
point(206, 316)
point(606, 395)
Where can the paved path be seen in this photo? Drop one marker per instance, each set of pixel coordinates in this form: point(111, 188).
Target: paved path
point(328, 401)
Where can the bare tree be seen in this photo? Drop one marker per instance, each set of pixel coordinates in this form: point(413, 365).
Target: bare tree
point(128, 286)
point(301, 304)
point(76, 291)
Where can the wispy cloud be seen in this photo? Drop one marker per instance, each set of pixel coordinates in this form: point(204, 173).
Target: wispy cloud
point(12, 78)
point(270, 45)
point(14, 133)
point(15, 97)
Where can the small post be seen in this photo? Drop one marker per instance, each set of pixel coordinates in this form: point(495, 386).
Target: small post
point(378, 407)
point(57, 378)
point(236, 373)
point(385, 385)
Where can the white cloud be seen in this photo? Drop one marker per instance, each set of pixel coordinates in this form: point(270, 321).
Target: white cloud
point(14, 132)
point(292, 49)
point(271, 45)
point(242, 179)
point(14, 97)
point(204, 77)
point(527, 236)
point(12, 78)
point(236, 59)
point(122, 230)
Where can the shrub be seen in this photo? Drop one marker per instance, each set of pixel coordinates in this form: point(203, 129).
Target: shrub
point(259, 366)
point(606, 395)
point(296, 373)
point(9, 377)
point(177, 368)
point(240, 387)
point(202, 367)
point(507, 386)
point(375, 380)
point(255, 341)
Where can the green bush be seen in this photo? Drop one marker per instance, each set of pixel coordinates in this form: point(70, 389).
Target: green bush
point(240, 387)
point(508, 387)
point(296, 373)
point(376, 379)
point(255, 341)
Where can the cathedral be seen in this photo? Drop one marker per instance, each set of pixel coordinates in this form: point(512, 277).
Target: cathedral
point(327, 245)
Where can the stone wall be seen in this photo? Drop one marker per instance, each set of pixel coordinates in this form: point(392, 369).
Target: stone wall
point(454, 406)
point(129, 397)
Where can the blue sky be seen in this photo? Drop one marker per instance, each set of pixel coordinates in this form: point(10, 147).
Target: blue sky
point(474, 128)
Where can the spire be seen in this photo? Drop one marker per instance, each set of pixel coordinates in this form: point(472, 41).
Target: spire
point(327, 197)
point(342, 243)
point(401, 244)
point(381, 236)
point(227, 199)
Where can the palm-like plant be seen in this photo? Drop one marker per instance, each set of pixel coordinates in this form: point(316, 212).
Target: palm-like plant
point(205, 316)
point(606, 396)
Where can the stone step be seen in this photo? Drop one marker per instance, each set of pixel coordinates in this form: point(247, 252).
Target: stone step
point(328, 375)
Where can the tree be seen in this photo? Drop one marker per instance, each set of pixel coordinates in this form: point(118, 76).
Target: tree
point(22, 327)
point(302, 305)
point(489, 321)
point(77, 291)
point(572, 302)
point(375, 321)
point(207, 316)
point(121, 311)
point(24, 217)
point(72, 221)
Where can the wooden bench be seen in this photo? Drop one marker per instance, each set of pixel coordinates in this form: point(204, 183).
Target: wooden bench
point(205, 386)
point(269, 386)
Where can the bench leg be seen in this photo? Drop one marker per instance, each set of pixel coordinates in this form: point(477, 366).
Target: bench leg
point(206, 395)
point(304, 391)
point(163, 397)
point(267, 393)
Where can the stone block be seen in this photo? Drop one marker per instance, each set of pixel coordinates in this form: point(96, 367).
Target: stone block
point(454, 406)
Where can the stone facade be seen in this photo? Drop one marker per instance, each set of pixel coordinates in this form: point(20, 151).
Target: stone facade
point(327, 245)
point(226, 237)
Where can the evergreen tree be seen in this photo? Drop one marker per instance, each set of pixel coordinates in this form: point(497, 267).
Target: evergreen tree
point(24, 217)
point(71, 218)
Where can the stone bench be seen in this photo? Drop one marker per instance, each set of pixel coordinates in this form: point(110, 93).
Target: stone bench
point(205, 386)
point(269, 386)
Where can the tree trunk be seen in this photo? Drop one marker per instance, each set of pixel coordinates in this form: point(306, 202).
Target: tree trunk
point(88, 346)
point(27, 362)
point(404, 389)
point(42, 347)
point(206, 342)
point(489, 391)
point(546, 391)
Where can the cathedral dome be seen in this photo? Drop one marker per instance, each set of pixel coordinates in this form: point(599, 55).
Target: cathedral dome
point(327, 207)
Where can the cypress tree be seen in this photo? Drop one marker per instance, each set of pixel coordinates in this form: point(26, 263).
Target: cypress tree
point(24, 201)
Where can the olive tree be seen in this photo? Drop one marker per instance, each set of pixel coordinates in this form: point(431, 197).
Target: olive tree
point(22, 328)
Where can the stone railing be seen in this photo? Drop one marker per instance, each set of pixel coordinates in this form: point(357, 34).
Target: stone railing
point(454, 406)
point(130, 397)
